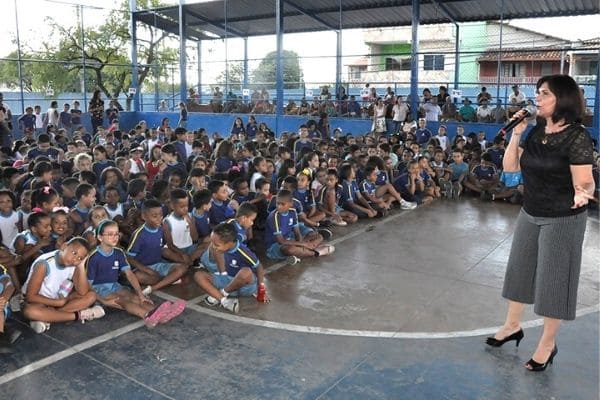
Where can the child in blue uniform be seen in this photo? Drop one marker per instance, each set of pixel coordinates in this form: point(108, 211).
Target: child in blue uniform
point(220, 209)
point(283, 237)
point(241, 274)
point(104, 265)
point(145, 252)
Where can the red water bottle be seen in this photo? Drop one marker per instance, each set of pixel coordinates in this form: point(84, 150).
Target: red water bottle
point(262, 293)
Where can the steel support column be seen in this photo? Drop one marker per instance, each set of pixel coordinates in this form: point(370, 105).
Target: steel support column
point(457, 57)
point(414, 62)
point(19, 68)
point(279, 65)
point(182, 54)
point(338, 54)
point(199, 49)
point(499, 67)
point(134, 63)
point(245, 83)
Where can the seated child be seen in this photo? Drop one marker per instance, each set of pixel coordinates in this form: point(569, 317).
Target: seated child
point(113, 206)
point(48, 289)
point(458, 170)
point(79, 215)
point(385, 187)
point(243, 222)
point(351, 199)
point(368, 189)
point(145, 252)
point(60, 227)
point(283, 237)
point(411, 186)
point(220, 209)
point(428, 175)
point(6, 291)
point(25, 209)
point(483, 178)
point(180, 231)
point(240, 275)
point(329, 198)
point(104, 265)
point(10, 225)
point(96, 216)
point(202, 203)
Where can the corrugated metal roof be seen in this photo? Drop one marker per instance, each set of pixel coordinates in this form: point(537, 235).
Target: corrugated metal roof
point(508, 55)
point(245, 18)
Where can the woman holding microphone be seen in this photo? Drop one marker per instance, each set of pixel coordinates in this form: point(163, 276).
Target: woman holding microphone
point(543, 268)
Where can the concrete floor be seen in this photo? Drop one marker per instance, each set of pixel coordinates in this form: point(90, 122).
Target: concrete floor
point(398, 312)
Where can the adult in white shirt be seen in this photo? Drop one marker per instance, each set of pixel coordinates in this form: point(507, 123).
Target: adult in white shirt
point(399, 112)
point(432, 110)
point(516, 101)
point(484, 112)
point(52, 114)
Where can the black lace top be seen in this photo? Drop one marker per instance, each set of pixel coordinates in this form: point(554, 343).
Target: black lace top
point(545, 165)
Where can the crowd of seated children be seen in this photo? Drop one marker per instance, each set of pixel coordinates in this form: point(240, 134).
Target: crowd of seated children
point(195, 202)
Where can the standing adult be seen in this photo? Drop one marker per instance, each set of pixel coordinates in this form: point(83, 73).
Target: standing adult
point(545, 258)
point(96, 109)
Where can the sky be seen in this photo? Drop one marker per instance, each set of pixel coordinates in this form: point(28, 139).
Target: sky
point(318, 66)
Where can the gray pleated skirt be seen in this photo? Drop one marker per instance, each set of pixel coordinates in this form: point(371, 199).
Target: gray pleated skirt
point(544, 264)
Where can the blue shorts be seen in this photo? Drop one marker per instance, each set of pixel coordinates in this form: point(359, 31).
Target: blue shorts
point(163, 268)
point(304, 230)
point(208, 262)
point(221, 282)
point(511, 179)
point(274, 252)
point(106, 289)
point(190, 249)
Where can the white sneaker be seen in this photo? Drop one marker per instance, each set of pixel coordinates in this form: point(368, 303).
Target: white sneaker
point(407, 205)
point(292, 260)
point(339, 222)
point(325, 249)
point(211, 301)
point(39, 326)
point(232, 305)
point(91, 313)
point(147, 291)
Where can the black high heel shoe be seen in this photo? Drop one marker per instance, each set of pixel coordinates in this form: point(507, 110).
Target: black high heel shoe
point(537, 367)
point(518, 336)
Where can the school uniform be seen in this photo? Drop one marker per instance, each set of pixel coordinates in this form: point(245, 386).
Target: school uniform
point(220, 211)
point(55, 274)
point(9, 227)
point(235, 259)
point(279, 224)
point(103, 270)
point(146, 247)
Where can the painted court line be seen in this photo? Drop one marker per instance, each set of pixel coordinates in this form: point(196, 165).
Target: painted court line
point(36, 365)
point(361, 333)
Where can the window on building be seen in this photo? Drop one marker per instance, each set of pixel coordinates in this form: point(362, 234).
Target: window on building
point(513, 69)
point(546, 68)
point(356, 71)
point(392, 64)
point(433, 62)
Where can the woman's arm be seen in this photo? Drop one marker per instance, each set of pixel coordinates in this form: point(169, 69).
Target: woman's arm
point(512, 154)
point(583, 183)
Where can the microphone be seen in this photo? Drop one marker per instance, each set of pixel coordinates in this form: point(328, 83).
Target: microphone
point(514, 122)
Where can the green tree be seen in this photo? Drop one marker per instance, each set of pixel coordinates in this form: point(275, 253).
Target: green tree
point(264, 75)
point(235, 78)
point(105, 48)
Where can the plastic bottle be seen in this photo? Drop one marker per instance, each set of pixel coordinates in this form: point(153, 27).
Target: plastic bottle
point(262, 293)
point(65, 288)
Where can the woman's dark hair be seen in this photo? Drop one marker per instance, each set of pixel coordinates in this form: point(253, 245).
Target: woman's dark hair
point(570, 104)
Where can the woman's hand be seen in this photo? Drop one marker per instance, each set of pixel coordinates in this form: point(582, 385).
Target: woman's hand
point(520, 128)
point(581, 197)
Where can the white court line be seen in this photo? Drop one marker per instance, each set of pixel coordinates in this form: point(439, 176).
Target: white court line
point(36, 365)
point(360, 333)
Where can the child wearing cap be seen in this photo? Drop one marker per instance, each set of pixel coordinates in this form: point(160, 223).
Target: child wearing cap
point(134, 164)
